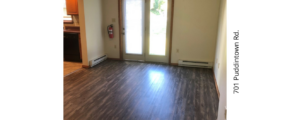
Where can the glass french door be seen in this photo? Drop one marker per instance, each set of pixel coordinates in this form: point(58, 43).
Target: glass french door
point(146, 30)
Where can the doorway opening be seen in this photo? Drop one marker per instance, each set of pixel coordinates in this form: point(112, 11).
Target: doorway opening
point(72, 55)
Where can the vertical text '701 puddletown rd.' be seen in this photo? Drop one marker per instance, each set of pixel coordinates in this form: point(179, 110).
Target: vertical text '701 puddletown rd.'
point(236, 62)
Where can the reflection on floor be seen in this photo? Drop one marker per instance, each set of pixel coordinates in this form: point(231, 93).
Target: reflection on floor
point(69, 67)
point(121, 90)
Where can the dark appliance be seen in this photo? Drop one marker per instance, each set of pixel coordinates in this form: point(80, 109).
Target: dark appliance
point(71, 48)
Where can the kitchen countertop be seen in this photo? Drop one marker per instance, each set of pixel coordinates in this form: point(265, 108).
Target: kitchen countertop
point(71, 31)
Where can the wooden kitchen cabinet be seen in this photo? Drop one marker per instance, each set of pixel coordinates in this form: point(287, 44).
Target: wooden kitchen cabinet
point(72, 7)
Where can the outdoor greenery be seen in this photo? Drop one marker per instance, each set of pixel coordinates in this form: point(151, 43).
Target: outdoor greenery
point(157, 7)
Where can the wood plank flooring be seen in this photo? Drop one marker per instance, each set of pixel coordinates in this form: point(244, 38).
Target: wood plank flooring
point(69, 67)
point(121, 90)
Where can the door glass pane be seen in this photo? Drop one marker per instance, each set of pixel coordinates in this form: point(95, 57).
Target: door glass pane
point(158, 24)
point(133, 22)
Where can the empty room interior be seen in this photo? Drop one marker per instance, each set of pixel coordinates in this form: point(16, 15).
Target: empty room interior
point(144, 59)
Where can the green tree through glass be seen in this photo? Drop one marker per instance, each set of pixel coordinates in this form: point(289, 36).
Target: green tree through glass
point(157, 7)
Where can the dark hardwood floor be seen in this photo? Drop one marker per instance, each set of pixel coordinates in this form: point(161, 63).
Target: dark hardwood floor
point(121, 90)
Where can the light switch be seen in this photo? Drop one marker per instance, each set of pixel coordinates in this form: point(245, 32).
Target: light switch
point(113, 20)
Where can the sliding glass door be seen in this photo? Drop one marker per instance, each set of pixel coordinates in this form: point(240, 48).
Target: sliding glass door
point(157, 35)
point(133, 29)
point(146, 30)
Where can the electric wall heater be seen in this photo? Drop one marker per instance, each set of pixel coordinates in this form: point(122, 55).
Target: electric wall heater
point(97, 61)
point(200, 64)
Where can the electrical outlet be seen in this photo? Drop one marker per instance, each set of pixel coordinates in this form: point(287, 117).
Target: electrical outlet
point(115, 46)
point(113, 20)
point(219, 65)
point(177, 50)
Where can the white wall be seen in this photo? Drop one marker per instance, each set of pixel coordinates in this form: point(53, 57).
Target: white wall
point(221, 61)
point(110, 11)
point(221, 43)
point(93, 28)
point(194, 29)
point(195, 26)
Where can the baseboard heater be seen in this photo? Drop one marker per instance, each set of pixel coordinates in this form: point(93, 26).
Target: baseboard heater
point(97, 61)
point(200, 64)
